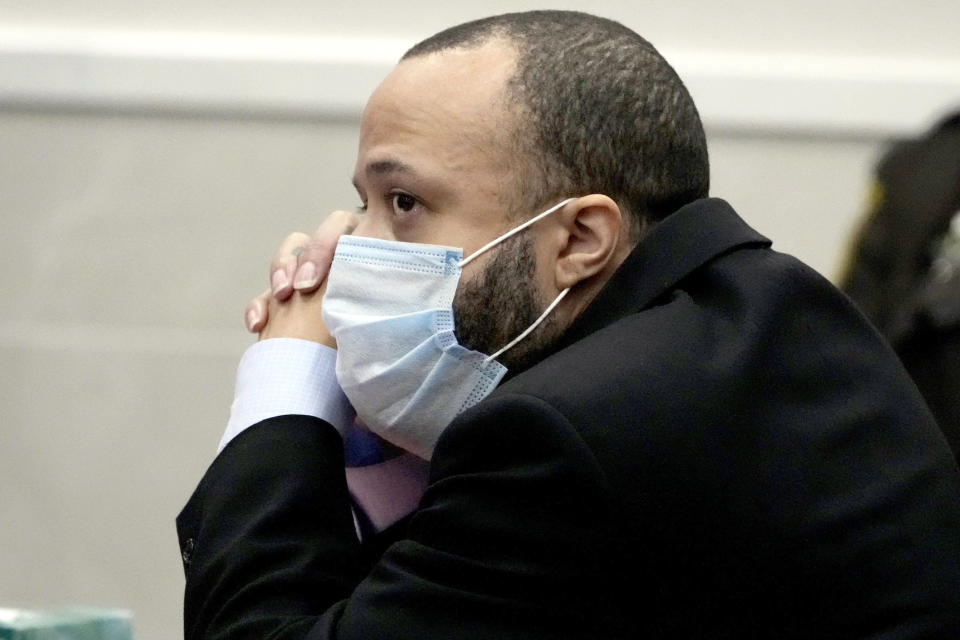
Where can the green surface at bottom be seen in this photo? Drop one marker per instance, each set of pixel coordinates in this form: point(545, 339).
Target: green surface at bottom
point(65, 624)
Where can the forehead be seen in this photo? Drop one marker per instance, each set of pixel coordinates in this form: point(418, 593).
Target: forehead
point(446, 109)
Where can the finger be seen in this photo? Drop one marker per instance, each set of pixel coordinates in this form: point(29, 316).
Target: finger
point(285, 263)
point(299, 317)
point(257, 312)
point(314, 261)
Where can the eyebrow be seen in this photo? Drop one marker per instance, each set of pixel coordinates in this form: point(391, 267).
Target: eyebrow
point(388, 165)
point(384, 167)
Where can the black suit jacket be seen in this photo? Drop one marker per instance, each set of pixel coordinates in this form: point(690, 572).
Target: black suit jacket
point(721, 447)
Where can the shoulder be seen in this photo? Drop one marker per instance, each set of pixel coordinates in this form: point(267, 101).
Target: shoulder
point(752, 382)
point(745, 323)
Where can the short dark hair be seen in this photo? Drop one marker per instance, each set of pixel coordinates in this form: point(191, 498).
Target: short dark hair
point(606, 112)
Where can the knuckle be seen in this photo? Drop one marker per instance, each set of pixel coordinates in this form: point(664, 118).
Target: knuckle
point(293, 240)
point(297, 237)
point(339, 221)
point(290, 242)
point(289, 249)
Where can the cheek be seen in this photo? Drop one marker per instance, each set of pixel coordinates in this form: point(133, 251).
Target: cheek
point(446, 230)
point(372, 226)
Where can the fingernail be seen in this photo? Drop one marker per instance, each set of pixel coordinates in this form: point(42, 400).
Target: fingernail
point(279, 280)
point(306, 276)
point(252, 318)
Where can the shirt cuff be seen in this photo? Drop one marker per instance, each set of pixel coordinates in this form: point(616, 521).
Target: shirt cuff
point(287, 376)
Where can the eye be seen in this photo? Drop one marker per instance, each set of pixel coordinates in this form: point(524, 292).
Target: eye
point(403, 203)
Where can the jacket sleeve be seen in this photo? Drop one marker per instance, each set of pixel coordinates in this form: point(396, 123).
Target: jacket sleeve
point(267, 538)
point(512, 538)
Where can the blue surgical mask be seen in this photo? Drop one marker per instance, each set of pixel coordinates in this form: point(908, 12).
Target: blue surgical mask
point(389, 306)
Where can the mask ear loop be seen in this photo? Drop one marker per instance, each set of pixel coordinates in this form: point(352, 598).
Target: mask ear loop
point(523, 226)
point(495, 242)
point(529, 330)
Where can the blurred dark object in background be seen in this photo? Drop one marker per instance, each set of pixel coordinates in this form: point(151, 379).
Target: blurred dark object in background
point(904, 270)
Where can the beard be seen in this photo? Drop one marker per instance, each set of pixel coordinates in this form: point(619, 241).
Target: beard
point(500, 303)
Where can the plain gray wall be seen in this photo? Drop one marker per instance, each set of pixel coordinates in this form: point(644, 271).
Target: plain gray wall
point(130, 244)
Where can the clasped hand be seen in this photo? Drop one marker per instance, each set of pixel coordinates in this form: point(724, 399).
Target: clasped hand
point(290, 308)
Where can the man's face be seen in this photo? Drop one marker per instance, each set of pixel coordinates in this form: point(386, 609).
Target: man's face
point(434, 166)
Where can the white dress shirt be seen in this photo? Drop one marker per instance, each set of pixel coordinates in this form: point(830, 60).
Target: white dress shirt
point(284, 376)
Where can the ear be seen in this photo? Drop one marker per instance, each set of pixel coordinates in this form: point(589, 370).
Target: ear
point(588, 239)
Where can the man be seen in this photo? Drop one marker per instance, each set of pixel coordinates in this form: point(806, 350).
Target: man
point(699, 437)
point(904, 270)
